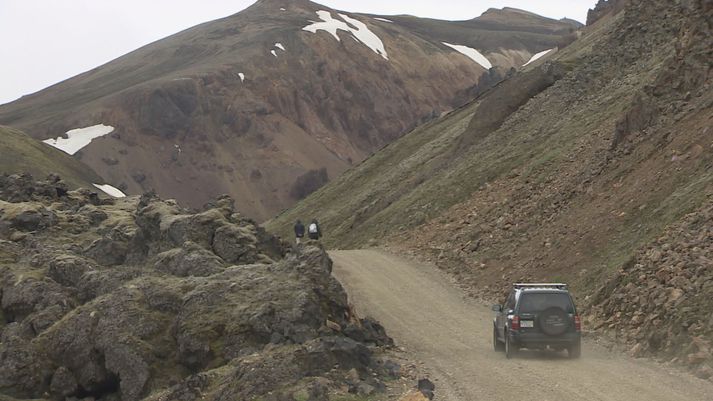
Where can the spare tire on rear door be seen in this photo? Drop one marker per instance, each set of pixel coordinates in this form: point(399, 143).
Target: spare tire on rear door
point(553, 321)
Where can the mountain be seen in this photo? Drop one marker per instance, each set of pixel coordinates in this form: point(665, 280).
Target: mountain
point(22, 154)
point(594, 166)
point(270, 103)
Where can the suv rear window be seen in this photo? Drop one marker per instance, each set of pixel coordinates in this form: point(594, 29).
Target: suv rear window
point(537, 302)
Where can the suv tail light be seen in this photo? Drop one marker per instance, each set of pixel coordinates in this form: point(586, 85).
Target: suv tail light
point(577, 323)
point(515, 323)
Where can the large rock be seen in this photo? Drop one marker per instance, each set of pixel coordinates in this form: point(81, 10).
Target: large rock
point(25, 216)
point(235, 244)
point(69, 269)
point(63, 383)
point(31, 295)
point(24, 370)
point(199, 228)
point(189, 260)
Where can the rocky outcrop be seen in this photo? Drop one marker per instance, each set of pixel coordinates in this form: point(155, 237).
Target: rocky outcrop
point(146, 300)
point(496, 106)
point(604, 8)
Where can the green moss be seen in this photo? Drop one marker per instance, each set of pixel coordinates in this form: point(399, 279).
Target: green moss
point(301, 395)
point(22, 154)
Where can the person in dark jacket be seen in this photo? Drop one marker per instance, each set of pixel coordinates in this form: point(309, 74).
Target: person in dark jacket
point(314, 231)
point(299, 231)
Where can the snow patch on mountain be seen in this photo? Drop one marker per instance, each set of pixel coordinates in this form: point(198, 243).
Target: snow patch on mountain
point(274, 53)
point(537, 57)
point(473, 54)
point(111, 191)
point(280, 46)
point(384, 20)
point(242, 77)
point(358, 29)
point(79, 138)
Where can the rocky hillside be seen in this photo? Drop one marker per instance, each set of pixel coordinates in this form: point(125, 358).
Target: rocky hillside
point(138, 299)
point(255, 104)
point(660, 300)
point(566, 171)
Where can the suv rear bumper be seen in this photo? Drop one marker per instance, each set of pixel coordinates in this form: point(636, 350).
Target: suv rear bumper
point(540, 340)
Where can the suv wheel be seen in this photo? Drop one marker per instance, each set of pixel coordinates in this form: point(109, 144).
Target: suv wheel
point(553, 321)
point(510, 348)
point(497, 345)
point(575, 350)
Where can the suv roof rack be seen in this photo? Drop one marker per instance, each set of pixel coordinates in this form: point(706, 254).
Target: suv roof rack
point(558, 286)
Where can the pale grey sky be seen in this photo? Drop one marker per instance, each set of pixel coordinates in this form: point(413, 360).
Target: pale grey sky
point(47, 41)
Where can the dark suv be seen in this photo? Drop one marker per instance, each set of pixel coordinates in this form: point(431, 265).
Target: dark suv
point(537, 316)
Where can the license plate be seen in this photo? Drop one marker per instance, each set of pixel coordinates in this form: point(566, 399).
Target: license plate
point(527, 323)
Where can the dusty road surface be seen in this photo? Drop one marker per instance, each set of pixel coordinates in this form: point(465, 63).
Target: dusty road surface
point(426, 314)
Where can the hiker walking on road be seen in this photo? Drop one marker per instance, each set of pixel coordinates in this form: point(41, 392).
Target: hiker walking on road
point(314, 231)
point(299, 231)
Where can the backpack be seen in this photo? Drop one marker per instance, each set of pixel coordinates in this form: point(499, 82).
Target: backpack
point(313, 228)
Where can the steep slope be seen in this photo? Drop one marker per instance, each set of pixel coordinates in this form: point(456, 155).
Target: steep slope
point(249, 104)
point(22, 154)
point(567, 171)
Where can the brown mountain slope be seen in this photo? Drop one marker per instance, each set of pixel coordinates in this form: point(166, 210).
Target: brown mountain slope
point(571, 170)
point(222, 108)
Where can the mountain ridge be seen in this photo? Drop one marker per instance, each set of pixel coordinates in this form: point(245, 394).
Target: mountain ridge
point(251, 119)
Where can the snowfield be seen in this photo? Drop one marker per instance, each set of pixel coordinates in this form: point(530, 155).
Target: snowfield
point(242, 77)
point(537, 57)
point(280, 46)
point(111, 191)
point(79, 138)
point(358, 29)
point(473, 54)
point(384, 20)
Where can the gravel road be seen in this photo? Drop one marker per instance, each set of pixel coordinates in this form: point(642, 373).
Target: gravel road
point(428, 316)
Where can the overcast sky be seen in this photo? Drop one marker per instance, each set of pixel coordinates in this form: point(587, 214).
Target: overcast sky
point(47, 41)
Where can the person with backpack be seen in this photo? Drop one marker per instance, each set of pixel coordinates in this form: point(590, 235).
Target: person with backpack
point(299, 231)
point(314, 231)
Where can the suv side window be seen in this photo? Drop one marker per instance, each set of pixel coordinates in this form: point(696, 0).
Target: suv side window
point(510, 303)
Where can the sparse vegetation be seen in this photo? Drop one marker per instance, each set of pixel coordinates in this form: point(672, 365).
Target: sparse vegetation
point(23, 154)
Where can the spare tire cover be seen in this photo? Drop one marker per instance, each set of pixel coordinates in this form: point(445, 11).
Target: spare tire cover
point(553, 321)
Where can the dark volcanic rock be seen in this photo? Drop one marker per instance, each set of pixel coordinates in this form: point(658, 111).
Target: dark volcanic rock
point(189, 260)
point(235, 244)
point(28, 296)
point(69, 269)
point(63, 383)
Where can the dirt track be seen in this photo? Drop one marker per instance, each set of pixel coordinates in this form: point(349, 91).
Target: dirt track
point(428, 316)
